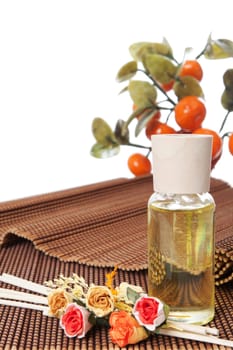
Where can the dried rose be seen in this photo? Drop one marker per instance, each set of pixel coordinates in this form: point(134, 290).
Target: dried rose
point(123, 291)
point(57, 301)
point(75, 321)
point(149, 312)
point(125, 329)
point(100, 300)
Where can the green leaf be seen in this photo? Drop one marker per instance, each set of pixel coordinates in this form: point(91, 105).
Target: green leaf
point(132, 295)
point(142, 93)
point(166, 310)
point(218, 49)
point(228, 79)
point(102, 151)
point(124, 90)
point(127, 71)
point(187, 52)
point(98, 321)
point(169, 48)
point(92, 319)
point(140, 49)
point(137, 114)
point(161, 68)
point(227, 100)
point(144, 119)
point(103, 132)
point(187, 86)
point(122, 132)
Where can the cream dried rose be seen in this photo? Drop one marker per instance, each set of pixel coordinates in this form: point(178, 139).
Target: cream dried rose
point(123, 291)
point(57, 301)
point(100, 300)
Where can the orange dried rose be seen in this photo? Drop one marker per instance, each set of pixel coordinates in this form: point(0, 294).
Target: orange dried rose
point(125, 329)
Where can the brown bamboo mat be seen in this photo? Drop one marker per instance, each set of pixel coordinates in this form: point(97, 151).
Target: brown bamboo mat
point(104, 224)
point(22, 329)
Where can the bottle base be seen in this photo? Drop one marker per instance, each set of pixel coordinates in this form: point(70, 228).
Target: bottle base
point(200, 317)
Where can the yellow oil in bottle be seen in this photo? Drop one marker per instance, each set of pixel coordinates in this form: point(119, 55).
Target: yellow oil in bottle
point(181, 260)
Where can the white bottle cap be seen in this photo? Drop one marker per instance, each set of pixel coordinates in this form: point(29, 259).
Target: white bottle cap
point(181, 163)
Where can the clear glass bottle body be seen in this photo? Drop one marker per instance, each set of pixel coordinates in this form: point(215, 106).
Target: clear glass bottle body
point(181, 255)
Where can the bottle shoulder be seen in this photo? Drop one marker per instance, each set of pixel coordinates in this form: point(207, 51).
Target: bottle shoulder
point(181, 201)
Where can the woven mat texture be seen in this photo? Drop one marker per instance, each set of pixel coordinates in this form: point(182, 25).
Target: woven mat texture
point(104, 224)
point(22, 329)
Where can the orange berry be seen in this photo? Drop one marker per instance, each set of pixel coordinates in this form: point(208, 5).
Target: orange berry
point(150, 124)
point(190, 112)
point(139, 164)
point(215, 160)
point(230, 144)
point(156, 116)
point(217, 141)
point(157, 127)
point(191, 68)
point(168, 86)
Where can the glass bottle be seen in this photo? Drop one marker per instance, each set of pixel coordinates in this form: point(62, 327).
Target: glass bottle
point(181, 227)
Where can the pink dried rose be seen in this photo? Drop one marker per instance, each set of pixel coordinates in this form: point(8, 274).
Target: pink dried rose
point(149, 312)
point(75, 321)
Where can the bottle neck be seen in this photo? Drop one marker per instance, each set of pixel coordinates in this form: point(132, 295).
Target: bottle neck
point(182, 200)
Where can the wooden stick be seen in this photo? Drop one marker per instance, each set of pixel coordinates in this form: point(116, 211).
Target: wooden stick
point(198, 337)
point(16, 295)
point(23, 283)
point(25, 305)
point(192, 328)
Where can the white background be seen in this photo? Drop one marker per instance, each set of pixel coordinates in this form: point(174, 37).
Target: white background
point(58, 63)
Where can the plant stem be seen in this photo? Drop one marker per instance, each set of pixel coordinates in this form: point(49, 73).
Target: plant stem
point(158, 86)
point(169, 114)
point(148, 153)
point(138, 145)
point(203, 51)
point(226, 134)
point(224, 121)
point(173, 58)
